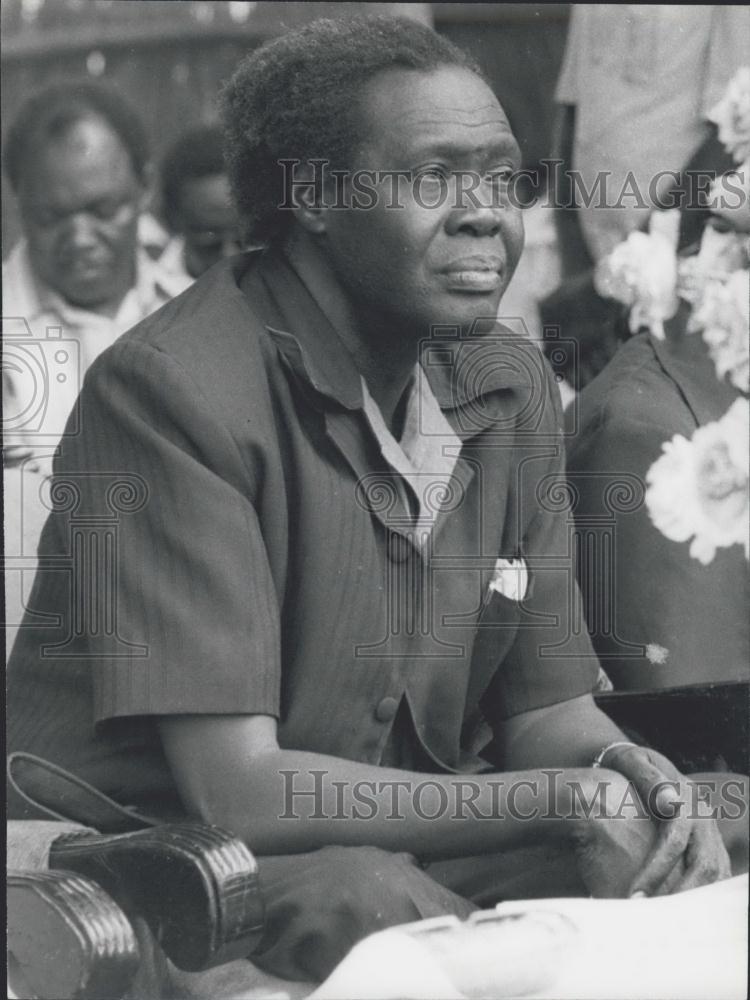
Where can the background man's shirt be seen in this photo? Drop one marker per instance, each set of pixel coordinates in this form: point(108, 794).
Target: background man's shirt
point(48, 345)
point(172, 259)
point(642, 79)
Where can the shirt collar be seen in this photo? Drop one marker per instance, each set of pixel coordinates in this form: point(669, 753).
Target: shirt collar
point(31, 297)
point(20, 293)
point(425, 456)
point(459, 370)
point(306, 337)
point(172, 258)
point(462, 370)
point(155, 282)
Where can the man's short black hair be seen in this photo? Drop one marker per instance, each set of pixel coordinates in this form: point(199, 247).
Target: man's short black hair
point(50, 113)
point(194, 154)
point(297, 98)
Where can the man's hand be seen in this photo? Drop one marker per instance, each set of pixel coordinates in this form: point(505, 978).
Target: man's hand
point(612, 837)
point(688, 851)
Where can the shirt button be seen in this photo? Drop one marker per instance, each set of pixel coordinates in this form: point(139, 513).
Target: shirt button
point(386, 709)
point(397, 547)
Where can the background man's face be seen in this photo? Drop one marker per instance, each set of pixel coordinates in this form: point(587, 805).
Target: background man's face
point(207, 221)
point(422, 265)
point(80, 202)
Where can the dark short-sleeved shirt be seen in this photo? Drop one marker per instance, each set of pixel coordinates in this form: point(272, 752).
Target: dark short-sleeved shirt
point(659, 618)
point(228, 540)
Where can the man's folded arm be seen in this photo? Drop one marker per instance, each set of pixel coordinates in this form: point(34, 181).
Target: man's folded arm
point(231, 771)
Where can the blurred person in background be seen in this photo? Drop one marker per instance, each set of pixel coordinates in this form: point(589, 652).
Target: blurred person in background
point(77, 159)
point(668, 618)
point(196, 203)
point(634, 92)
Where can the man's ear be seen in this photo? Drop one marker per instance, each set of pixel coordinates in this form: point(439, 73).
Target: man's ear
point(306, 192)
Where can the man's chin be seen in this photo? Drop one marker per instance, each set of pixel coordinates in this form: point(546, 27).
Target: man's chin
point(87, 294)
point(471, 314)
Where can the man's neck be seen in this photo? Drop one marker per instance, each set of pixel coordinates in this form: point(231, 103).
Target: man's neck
point(388, 373)
point(110, 307)
point(385, 360)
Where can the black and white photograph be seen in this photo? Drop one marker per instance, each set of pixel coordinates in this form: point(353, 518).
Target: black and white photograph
point(376, 500)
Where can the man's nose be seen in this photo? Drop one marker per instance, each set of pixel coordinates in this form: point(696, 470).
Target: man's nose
point(476, 213)
point(81, 231)
point(483, 222)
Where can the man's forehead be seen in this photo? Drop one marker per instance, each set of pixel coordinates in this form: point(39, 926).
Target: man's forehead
point(449, 135)
point(449, 106)
point(90, 140)
point(88, 152)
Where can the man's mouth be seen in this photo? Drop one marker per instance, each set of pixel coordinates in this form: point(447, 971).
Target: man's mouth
point(84, 267)
point(474, 274)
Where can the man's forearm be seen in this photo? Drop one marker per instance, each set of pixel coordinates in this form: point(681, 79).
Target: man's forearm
point(287, 801)
point(568, 734)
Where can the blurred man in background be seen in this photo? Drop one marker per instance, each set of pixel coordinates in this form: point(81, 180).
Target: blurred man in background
point(634, 93)
point(77, 160)
point(196, 203)
point(635, 89)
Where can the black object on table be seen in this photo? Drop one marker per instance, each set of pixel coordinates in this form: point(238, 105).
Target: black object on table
point(700, 727)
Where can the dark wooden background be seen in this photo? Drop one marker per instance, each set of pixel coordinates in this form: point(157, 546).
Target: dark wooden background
point(170, 56)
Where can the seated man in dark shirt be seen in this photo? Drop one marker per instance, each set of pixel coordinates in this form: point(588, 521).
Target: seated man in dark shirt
point(309, 575)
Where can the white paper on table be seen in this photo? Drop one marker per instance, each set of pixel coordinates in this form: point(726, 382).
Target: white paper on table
point(683, 947)
point(688, 946)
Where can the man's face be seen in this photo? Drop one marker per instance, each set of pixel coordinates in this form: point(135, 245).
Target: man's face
point(207, 221)
point(421, 265)
point(80, 201)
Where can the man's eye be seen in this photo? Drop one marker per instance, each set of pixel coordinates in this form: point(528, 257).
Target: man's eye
point(106, 210)
point(434, 173)
point(501, 177)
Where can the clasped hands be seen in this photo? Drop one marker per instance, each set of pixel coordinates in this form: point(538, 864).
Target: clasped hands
point(680, 848)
